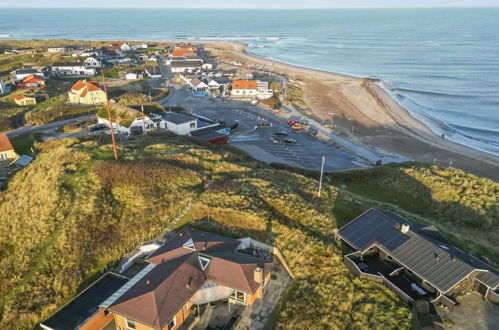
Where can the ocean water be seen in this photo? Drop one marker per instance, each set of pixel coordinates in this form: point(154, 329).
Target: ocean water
point(440, 64)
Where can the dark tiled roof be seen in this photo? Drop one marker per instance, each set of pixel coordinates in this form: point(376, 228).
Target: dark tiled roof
point(67, 64)
point(185, 64)
point(422, 249)
point(177, 117)
point(86, 303)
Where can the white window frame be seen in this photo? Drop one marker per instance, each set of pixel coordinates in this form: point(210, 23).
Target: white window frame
point(133, 327)
point(174, 320)
point(234, 296)
point(205, 259)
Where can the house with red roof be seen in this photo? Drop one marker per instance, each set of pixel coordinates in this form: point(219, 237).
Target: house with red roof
point(86, 92)
point(251, 89)
point(192, 269)
point(7, 153)
point(32, 81)
point(24, 100)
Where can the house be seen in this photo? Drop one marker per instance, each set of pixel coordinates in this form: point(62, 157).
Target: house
point(152, 59)
point(181, 51)
point(192, 269)
point(24, 100)
point(24, 50)
point(3, 88)
point(414, 259)
point(112, 50)
point(142, 57)
point(198, 86)
point(61, 49)
point(32, 81)
point(126, 120)
point(254, 89)
point(123, 46)
point(152, 71)
point(133, 75)
point(92, 52)
point(207, 66)
point(139, 46)
point(178, 123)
point(20, 74)
point(185, 66)
point(86, 92)
point(93, 62)
point(71, 69)
point(7, 153)
point(83, 311)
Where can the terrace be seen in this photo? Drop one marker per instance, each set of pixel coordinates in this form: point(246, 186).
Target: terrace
point(373, 268)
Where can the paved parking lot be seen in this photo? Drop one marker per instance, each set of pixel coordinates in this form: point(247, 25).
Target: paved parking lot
point(306, 153)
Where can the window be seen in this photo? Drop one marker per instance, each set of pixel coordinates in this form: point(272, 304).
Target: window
point(189, 245)
point(193, 125)
point(106, 312)
point(204, 261)
point(238, 296)
point(172, 323)
point(130, 324)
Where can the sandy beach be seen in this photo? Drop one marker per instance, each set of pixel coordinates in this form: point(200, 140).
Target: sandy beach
point(363, 112)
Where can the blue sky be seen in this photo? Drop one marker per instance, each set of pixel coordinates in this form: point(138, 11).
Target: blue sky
point(252, 3)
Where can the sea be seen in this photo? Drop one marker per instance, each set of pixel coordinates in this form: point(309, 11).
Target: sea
point(441, 64)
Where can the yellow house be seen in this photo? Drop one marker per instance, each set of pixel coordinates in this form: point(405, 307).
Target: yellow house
point(24, 100)
point(7, 153)
point(86, 92)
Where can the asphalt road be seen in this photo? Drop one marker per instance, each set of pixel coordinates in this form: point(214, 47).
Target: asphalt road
point(37, 128)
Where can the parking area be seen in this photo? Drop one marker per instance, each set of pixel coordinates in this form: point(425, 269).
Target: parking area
point(307, 153)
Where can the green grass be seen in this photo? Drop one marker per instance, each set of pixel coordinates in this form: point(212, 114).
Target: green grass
point(94, 210)
point(23, 143)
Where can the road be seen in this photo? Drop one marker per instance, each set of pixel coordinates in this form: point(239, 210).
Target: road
point(38, 128)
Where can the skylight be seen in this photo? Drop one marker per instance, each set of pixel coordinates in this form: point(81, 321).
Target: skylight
point(190, 245)
point(204, 261)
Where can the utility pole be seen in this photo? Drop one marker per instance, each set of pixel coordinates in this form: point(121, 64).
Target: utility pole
point(109, 118)
point(322, 171)
point(143, 121)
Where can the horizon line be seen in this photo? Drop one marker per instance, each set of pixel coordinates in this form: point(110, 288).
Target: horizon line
point(246, 7)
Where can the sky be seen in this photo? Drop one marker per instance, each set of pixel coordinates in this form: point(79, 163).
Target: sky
point(269, 4)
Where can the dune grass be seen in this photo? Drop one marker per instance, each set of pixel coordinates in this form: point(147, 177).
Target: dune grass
point(73, 212)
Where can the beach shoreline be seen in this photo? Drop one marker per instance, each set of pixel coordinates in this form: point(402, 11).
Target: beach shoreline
point(366, 113)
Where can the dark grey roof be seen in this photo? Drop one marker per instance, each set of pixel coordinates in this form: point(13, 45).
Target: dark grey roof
point(184, 64)
point(71, 64)
point(85, 304)
point(27, 71)
point(177, 117)
point(422, 249)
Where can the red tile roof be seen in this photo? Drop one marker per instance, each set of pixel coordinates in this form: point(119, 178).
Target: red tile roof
point(32, 79)
point(181, 52)
point(243, 84)
point(20, 97)
point(5, 144)
point(83, 86)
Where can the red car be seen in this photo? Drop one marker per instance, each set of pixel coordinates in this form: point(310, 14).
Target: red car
point(292, 122)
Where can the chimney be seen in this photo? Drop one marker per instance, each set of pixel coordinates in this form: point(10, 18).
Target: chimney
point(258, 275)
point(148, 282)
point(180, 234)
point(405, 228)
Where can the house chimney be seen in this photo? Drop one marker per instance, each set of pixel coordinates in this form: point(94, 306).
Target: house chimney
point(180, 234)
point(148, 282)
point(405, 228)
point(258, 275)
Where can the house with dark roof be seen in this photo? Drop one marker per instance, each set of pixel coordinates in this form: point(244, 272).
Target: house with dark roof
point(177, 122)
point(83, 311)
point(414, 259)
point(192, 268)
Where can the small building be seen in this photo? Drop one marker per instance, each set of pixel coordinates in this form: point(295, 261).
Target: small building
point(123, 46)
point(24, 100)
point(86, 92)
point(198, 86)
point(31, 82)
point(92, 52)
point(253, 89)
point(185, 66)
point(7, 153)
point(414, 259)
point(139, 46)
point(152, 71)
point(152, 59)
point(178, 123)
point(112, 50)
point(25, 50)
point(57, 49)
point(93, 62)
point(20, 74)
point(126, 120)
point(71, 69)
point(83, 311)
point(3, 88)
point(134, 75)
point(182, 51)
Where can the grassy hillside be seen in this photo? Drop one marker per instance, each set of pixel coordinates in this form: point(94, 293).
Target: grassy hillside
point(73, 212)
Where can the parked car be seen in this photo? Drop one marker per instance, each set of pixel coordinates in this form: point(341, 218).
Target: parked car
point(96, 127)
point(275, 140)
point(297, 126)
point(312, 131)
point(254, 102)
point(281, 133)
point(289, 141)
point(263, 124)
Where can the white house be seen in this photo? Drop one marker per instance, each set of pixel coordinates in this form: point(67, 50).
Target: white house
point(56, 49)
point(207, 66)
point(19, 75)
point(178, 123)
point(122, 123)
point(152, 59)
point(252, 89)
point(153, 71)
point(185, 66)
point(93, 52)
point(199, 86)
point(72, 69)
point(140, 46)
point(134, 75)
point(93, 62)
point(123, 46)
point(3, 88)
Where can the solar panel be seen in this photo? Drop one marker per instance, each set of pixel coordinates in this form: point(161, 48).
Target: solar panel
point(24, 160)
